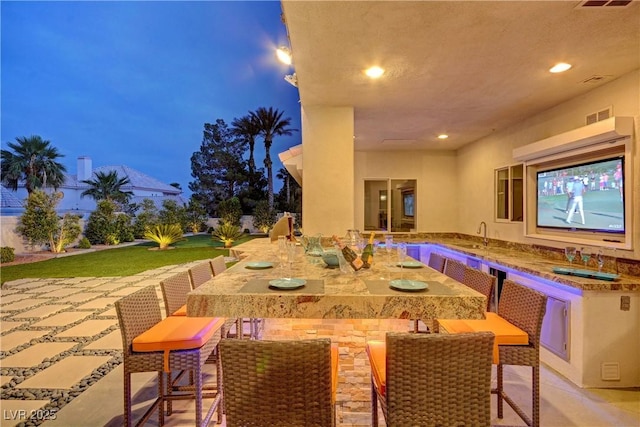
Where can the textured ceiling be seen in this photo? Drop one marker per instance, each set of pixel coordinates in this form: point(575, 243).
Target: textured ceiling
point(465, 68)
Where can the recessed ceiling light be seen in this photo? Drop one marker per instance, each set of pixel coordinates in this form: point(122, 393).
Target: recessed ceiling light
point(560, 67)
point(284, 55)
point(443, 136)
point(374, 72)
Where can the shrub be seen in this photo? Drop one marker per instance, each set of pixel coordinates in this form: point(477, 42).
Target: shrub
point(66, 233)
point(227, 233)
point(263, 216)
point(195, 216)
point(146, 219)
point(171, 213)
point(84, 243)
point(7, 254)
point(230, 211)
point(40, 224)
point(108, 227)
point(165, 234)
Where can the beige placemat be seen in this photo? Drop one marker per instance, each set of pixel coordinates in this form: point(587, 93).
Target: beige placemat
point(381, 287)
point(260, 286)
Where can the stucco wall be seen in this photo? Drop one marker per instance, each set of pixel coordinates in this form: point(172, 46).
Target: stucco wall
point(437, 178)
point(477, 161)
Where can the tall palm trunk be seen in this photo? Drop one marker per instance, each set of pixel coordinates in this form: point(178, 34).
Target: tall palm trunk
point(268, 164)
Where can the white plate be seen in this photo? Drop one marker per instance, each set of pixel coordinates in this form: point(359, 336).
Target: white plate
point(408, 285)
point(259, 265)
point(287, 283)
point(410, 264)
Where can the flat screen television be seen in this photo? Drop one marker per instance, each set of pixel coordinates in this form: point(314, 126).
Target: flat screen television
point(583, 196)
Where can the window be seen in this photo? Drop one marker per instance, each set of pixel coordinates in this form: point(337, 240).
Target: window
point(390, 204)
point(509, 193)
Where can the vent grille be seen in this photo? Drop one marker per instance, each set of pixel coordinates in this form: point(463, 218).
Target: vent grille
point(610, 371)
point(599, 115)
point(590, 4)
point(596, 78)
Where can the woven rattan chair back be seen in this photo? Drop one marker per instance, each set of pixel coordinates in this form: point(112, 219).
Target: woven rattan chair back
point(137, 312)
point(199, 274)
point(218, 265)
point(525, 308)
point(455, 269)
point(447, 376)
point(436, 261)
point(174, 291)
point(480, 281)
point(277, 383)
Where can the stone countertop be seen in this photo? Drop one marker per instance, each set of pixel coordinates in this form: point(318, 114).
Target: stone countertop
point(344, 295)
point(535, 264)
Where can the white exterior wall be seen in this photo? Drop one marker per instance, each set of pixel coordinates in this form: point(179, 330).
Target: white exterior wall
point(328, 181)
point(477, 161)
point(435, 173)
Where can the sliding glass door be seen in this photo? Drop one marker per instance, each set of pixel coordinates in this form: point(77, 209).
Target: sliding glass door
point(390, 205)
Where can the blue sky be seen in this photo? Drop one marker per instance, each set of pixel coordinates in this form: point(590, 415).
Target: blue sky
point(132, 83)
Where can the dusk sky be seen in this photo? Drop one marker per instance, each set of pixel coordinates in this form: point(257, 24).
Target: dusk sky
point(132, 83)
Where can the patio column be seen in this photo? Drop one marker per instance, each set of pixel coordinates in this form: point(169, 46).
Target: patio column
point(328, 170)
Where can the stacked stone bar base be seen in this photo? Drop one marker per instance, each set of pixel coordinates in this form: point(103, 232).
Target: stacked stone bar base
point(353, 406)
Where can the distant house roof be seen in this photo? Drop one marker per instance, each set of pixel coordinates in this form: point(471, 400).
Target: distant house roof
point(137, 179)
point(8, 198)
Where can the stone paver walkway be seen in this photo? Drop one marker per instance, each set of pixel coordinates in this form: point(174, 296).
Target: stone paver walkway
point(58, 337)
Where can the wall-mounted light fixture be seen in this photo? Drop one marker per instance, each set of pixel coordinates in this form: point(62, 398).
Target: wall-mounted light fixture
point(284, 55)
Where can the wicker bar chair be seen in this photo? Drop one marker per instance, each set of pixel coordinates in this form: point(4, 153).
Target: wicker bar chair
point(279, 383)
point(454, 269)
point(437, 261)
point(525, 308)
point(137, 313)
point(480, 281)
point(218, 265)
point(200, 273)
point(432, 380)
point(174, 293)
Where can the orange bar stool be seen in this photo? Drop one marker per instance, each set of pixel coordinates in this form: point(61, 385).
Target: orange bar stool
point(177, 343)
point(525, 308)
point(431, 379)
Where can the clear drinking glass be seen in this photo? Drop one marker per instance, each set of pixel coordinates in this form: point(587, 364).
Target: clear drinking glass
point(402, 255)
point(282, 252)
point(402, 252)
point(570, 253)
point(388, 243)
point(291, 255)
point(585, 255)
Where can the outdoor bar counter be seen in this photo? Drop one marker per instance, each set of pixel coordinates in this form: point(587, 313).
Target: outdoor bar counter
point(348, 307)
point(330, 293)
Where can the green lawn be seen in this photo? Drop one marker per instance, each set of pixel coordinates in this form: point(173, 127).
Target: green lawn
point(119, 261)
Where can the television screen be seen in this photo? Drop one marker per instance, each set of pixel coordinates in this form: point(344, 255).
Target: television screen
point(584, 196)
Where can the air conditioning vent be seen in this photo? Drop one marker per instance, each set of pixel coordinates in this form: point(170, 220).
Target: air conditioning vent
point(591, 4)
point(596, 79)
point(599, 115)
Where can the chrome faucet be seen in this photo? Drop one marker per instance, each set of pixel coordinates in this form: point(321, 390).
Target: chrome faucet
point(485, 241)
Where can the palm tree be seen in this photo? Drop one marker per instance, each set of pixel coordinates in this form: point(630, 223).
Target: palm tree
point(247, 129)
point(107, 186)
point(34, 161)
point(283, 175)
point(271, 124)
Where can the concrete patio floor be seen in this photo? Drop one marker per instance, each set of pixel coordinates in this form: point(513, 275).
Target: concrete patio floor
point(60, 362)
